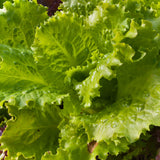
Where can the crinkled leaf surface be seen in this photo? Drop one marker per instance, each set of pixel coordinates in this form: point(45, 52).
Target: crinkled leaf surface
point(91, 75)
point(63, 51)
point(125, 47)
point(68, 44)
point(81, 7)
point(2, 1)
point(89, 88)
point(33, 129)
point(121, 123)
point(18, 22)
point(23, 83)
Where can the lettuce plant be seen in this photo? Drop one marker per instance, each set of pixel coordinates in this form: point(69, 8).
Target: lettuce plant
point(82, 84)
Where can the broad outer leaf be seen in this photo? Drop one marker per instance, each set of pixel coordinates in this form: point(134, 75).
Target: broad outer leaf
point(23, 83)
point(32, 133)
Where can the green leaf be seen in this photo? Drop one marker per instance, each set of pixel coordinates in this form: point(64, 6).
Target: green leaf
point(18, 65)
point(73, 142)
point(100, 55)
point(65, 47)
point(107, 24)
point(81, 7)
point(2, 1)
point(18, 22)
point(138, 90)
point(137, 98)
point(60, 155)
point(23, 83)
point(89, 88)
point(34, 129)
